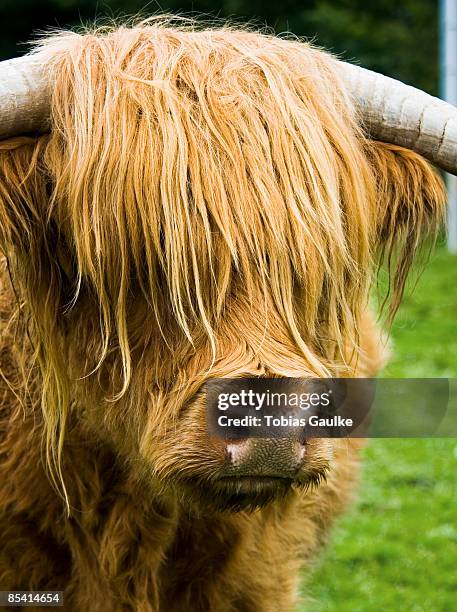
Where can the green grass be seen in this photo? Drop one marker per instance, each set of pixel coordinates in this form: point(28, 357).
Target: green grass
point(396, 549)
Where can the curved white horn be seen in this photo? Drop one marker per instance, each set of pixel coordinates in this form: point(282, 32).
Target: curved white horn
point(397, 113)
point(24, 96)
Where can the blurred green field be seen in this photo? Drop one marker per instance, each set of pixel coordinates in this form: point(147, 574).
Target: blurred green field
point(396, 549)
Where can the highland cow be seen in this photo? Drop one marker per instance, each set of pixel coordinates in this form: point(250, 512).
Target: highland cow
point(180, 204)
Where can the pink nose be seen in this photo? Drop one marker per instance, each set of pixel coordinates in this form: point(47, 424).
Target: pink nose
point(265, 457)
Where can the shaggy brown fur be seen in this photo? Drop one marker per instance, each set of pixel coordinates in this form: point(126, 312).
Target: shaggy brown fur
point(204, 206)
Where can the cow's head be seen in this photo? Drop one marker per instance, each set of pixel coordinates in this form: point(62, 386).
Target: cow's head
point(203, 204)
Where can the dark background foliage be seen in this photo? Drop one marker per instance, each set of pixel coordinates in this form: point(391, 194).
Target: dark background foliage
point(396, 37)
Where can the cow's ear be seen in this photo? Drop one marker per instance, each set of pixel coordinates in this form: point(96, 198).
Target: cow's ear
point(409, 211)
point(30, 238)
point(22, 195)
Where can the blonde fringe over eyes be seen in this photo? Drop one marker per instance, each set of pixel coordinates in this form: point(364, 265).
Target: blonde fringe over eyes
point(185, 164)
point(182, 158)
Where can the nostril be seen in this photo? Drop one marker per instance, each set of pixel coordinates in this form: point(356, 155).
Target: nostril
point(303, 438)
point(237, 451)
point(301, 451)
